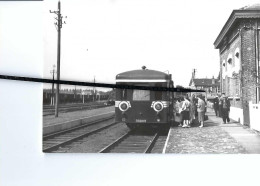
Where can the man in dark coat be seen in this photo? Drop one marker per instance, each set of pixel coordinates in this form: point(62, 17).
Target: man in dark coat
point(195, 102)
point(220, 105)
point(216, 105)
point(225, 107)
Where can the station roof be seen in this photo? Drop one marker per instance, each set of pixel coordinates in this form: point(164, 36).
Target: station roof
point(142, 75)
point(251, 7)
point(252, 11)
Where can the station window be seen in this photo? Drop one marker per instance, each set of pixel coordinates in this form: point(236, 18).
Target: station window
point(237, 55)
point(230, 61)
point(158, 95)
point(236, 59)
point(224, 66)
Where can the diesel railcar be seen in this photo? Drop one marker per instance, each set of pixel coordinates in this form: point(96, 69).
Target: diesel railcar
point(136, 107)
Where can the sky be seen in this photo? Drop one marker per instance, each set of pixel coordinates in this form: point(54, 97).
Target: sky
point(106, 37)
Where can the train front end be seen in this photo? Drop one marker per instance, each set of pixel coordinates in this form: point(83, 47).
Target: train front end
point(137, 107)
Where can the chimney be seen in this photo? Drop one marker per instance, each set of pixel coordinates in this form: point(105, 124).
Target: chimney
point(213, 80)
point(193, 73)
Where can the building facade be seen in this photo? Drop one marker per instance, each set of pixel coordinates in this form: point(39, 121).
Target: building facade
point(210, 86)
point(238, 44)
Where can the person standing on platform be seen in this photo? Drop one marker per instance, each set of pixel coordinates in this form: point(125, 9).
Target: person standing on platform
point(181, 101)
point(195, 104)
point(220, 104)
point(203, 97)
point(192, 109)
point(201, 111)
point(216, 105)
point(186, 113)
point(225, 109)
point(177, 114)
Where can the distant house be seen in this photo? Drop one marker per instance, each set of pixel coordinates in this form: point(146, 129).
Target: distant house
point(87, 92)
point(209, 85)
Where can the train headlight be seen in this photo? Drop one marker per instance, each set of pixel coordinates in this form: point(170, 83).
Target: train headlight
point(123, 106)
point(158, 106)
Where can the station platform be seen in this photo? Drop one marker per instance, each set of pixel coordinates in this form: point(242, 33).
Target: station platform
point(74, 119)
point(68, 116)
point(213, 138)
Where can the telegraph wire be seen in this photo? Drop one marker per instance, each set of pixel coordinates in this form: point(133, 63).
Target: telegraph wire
point(91, 84)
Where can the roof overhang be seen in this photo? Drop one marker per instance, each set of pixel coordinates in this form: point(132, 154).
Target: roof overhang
point(235, 15)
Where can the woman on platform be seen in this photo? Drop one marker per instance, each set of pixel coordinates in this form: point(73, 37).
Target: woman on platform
point(201, 111)
point(192, 109)
point(177, 115)
point(186, 113)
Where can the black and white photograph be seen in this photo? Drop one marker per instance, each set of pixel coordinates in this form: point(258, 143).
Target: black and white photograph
point(129, 92)
point(151, 44)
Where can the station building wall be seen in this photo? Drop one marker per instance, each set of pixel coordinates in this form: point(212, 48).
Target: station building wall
point(238, 68)
point(230, 70)
point(248, 58)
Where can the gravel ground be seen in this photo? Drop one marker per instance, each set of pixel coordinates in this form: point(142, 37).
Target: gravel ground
point(210, 139)
point(94, 143)
point(49, 120)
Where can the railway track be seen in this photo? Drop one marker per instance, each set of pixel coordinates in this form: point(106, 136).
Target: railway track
point(45, 107)
point(50, 111)
point(63, 140)
point(138, 142)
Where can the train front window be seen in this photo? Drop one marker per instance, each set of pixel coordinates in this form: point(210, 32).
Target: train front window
point(158, 95)
point(141, 95)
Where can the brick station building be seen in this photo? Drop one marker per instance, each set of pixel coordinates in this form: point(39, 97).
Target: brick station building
point(238, 44)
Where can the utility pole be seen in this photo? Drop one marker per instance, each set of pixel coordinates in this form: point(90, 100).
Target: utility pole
point(94, 90)
point(53, 71)
point(83, 97)
point(194, 73)
point(75, 92)
point(58, 25)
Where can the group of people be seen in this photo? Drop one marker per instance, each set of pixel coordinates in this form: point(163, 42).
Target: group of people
point(188, 110)
point(222, 107)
